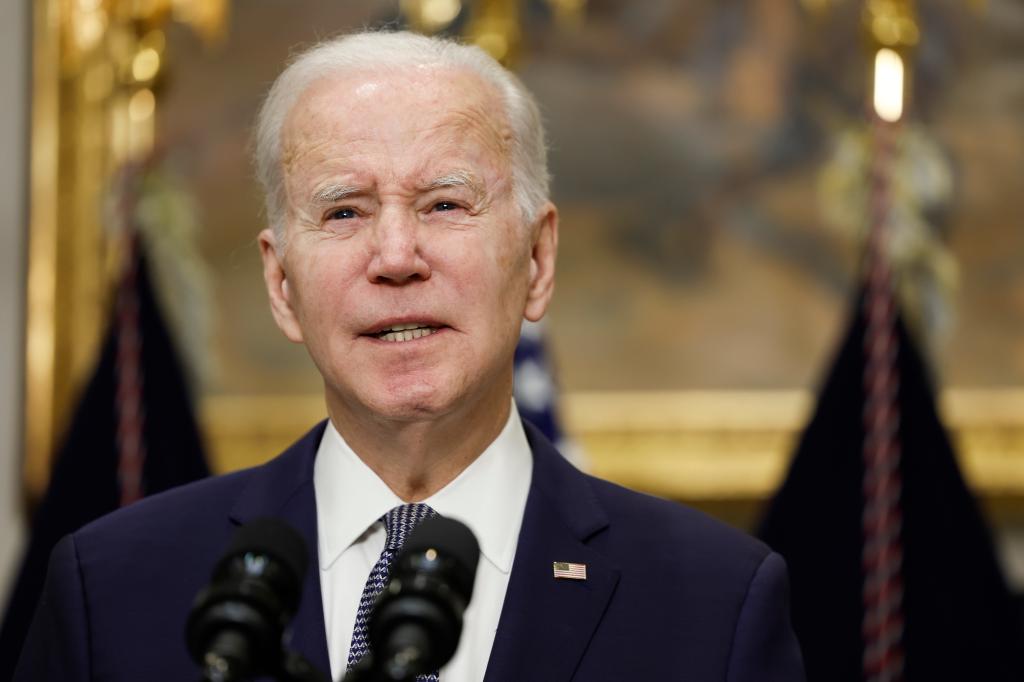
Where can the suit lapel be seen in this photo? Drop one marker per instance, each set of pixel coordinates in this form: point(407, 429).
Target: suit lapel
point(547, 623)
point(283, 488)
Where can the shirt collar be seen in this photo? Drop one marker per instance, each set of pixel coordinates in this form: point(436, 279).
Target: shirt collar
point(489, 495)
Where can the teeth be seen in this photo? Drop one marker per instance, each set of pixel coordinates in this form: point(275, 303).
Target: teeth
point(407, 332)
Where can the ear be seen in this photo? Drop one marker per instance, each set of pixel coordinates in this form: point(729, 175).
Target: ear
point(276, 279)
point(542, 263)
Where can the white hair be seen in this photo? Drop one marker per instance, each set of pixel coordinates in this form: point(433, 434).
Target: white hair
point(374, 49)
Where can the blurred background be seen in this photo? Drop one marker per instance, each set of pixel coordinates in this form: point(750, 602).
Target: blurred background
point(713, 164)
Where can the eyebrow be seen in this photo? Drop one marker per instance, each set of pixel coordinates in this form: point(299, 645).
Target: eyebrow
point(330, 194)
point(457, 178)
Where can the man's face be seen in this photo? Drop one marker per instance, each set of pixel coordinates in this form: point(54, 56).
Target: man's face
point(407, 267)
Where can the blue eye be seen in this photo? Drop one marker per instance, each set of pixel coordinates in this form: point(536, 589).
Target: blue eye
point(342, 214)
point(445, 206)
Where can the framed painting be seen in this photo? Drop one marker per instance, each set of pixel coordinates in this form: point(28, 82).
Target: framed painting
point(701, 156)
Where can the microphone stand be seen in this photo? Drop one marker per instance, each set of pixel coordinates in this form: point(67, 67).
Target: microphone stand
point(363, 671)
point(366, 670)
point(294, 667)
point(401, 667)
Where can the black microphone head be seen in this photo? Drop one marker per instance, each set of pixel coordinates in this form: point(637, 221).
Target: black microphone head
point(450, 540)
point(273, 538)
point(240, 617)
point(417, 621)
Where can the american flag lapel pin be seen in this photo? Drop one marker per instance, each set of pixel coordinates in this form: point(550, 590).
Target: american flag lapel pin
point(570, 571)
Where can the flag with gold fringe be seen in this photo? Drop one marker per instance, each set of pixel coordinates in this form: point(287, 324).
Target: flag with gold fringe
point(133, 434)
point(956, 619)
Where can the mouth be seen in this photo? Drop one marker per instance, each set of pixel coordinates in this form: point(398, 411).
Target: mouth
point(400, 333)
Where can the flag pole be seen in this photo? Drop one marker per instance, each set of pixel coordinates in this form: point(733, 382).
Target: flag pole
point(883, 623)
point(129, 411)
point(882, 519)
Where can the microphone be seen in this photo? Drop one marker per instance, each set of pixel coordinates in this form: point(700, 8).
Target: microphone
point(235, 628)
point(416, 623)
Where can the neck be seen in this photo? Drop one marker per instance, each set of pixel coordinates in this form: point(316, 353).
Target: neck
point(415, 459)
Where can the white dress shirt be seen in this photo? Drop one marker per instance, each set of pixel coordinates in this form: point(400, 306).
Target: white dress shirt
point(489, 496)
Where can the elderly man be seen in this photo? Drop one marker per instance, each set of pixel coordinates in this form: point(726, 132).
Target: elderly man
point(410, 234)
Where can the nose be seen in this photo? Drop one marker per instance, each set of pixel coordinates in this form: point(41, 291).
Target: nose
point(396, 257)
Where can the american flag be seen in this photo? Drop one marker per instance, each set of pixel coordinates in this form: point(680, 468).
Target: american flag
point(536, 393)
point(535, 390)
point(570, 571)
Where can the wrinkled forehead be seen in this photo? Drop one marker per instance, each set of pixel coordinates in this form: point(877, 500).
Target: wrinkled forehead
point(398, 105)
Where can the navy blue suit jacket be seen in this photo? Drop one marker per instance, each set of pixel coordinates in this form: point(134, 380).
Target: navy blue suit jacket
point(670, 593)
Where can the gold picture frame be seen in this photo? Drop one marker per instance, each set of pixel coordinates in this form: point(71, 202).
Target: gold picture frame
point(698, 446)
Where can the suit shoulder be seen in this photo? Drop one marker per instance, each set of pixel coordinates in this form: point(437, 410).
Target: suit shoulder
point(195, 506)
point(172, 511)
point(638, 528)
point(673, 528)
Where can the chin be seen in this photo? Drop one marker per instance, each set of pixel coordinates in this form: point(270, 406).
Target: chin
point(411, 403)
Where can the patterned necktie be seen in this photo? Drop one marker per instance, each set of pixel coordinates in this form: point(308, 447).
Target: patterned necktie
point(398, 523)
